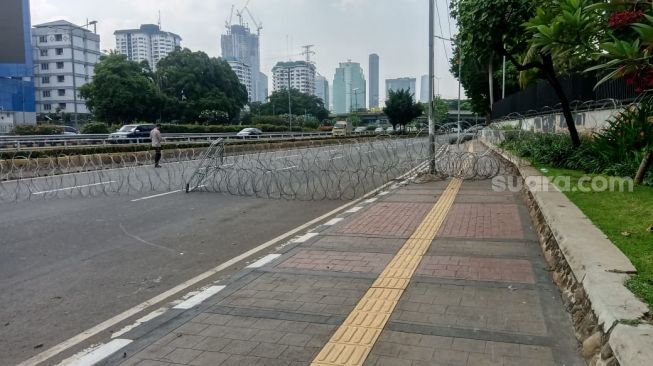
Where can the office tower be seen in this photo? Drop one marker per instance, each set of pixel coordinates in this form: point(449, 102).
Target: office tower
point(374, 81)
point(349, 89)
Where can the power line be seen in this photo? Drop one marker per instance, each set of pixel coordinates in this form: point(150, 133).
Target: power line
point(449, 18)
point(437, 8)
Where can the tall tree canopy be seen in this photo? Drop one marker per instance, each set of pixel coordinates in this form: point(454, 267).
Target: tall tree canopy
point(195, 84)
point(122, 91)
point(401, 108)
point(300, 104)
point(541, 38)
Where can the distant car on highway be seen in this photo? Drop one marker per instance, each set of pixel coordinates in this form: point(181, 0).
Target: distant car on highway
point(379, 130)
point(249, 132)
point(68, 131)
point(360, 129)
point(129, 133)
point(390, 130)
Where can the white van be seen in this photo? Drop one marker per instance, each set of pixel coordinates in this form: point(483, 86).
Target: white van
point(341, 128)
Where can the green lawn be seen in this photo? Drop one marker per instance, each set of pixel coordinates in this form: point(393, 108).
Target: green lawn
point(625, 217)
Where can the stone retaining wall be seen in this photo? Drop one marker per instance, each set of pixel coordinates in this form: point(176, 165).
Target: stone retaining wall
point(590, 271)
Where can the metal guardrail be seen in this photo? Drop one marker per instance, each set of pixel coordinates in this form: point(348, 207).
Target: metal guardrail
point(20, 142)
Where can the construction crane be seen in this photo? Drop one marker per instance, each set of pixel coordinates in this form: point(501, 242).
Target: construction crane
point(229, 22)
point(308, 52)
point(240, 14)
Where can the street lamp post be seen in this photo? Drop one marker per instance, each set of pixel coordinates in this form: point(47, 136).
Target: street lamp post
point(460, 73)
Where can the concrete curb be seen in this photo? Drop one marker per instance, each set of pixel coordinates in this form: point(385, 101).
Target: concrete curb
point(591, 272)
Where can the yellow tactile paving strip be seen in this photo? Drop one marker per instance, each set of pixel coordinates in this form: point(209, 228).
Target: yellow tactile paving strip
point(352, 342)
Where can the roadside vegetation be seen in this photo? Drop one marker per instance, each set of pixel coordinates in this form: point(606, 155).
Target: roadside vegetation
point(626, 218)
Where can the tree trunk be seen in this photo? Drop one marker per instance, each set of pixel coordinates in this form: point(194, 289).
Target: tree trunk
point(564, 101)
point(647, 161)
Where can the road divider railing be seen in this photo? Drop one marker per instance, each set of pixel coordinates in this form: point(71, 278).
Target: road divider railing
point(50, 141)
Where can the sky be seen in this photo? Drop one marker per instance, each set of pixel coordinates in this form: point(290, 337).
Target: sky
point(341, 30)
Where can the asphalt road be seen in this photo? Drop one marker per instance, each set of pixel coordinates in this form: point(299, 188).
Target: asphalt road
point(69, 262)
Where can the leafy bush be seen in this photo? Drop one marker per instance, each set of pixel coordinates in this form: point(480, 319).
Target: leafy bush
point(591, 157)
point(43, 129)
point(95, 127)
point(624, 142)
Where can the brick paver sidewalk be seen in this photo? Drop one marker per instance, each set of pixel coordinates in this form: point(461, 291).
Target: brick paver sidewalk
point(481, 294)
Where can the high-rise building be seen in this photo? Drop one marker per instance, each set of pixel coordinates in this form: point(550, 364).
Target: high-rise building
point(242, 45)
point(349, 91)
point(244, 74)
point(65, 56)
point(424, 89)
point(399, 84)
point(322, 89)
point(374, 81)
point(301, 73)
point(16, 68)
point(263, 86)
point(148, 43)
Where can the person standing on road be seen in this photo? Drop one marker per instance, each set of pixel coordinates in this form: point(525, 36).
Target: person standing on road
point(155, 136)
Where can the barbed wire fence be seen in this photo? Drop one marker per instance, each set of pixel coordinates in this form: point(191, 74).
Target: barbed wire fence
point(308, 171)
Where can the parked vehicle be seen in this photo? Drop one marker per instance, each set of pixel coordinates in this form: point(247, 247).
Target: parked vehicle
point(130, 133)
point(360, 129)
point(341, 128)
point(249, 132)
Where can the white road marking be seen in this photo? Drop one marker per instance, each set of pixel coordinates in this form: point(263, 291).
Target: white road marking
point(91, 332)
point(355, 209)
point(200, 297)
point(384, 193)
point(75, 187)
point(96, 354)
point(138, 322)
point(333, 221)
point(371, 200)
point(287, 157)
point(305, 237)
point(263, 261)
point(155, 196)
point(281, 169)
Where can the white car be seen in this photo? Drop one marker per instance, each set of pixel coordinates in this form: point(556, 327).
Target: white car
point(360, 129)
point(379, 130)
point(249, 132)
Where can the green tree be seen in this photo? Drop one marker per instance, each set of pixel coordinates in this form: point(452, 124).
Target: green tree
point(541, 38)
point(301, 104)
point(122, 91)
point(441, 110)
point(195, 84)
point(401, 108)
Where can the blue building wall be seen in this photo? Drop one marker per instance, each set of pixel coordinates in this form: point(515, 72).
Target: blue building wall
point(26, 68)
point(15, 93)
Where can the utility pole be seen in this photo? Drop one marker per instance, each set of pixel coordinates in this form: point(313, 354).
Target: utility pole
point(289, 104)
point(431, 82)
